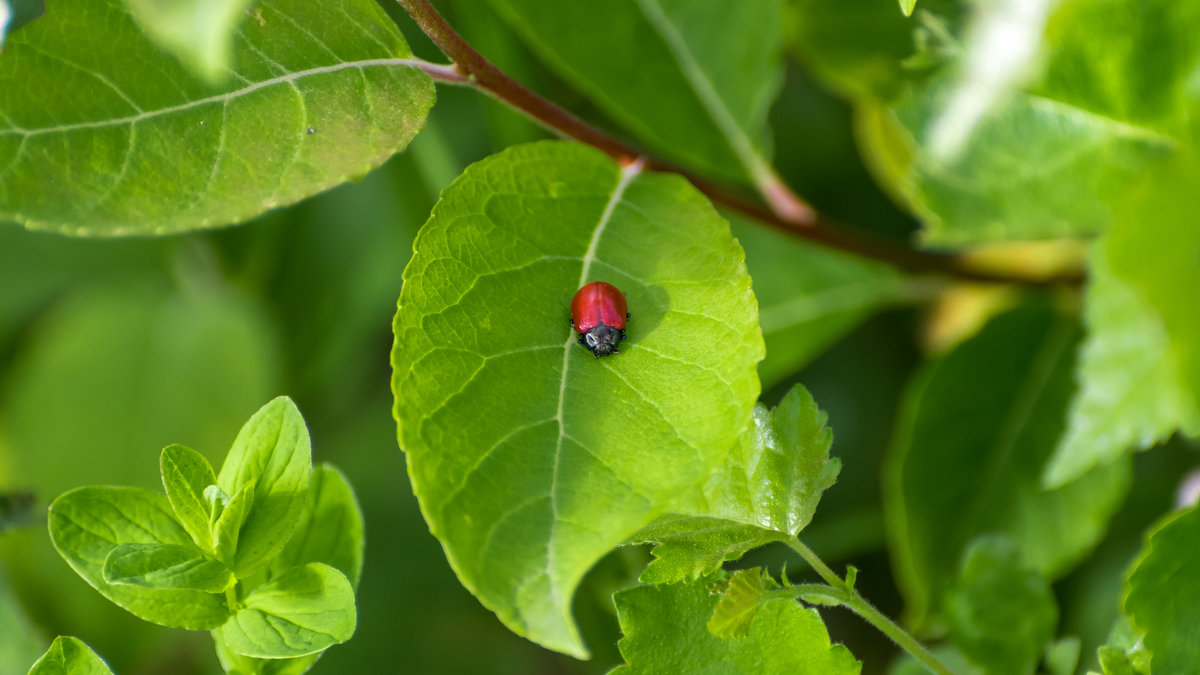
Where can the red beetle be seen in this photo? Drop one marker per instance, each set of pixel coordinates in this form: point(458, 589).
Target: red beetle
point(598, 313)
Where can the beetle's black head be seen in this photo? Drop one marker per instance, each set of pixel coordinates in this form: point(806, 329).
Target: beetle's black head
point(602, 340)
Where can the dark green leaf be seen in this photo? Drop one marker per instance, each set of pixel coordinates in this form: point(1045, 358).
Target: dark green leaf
point(767, 490)
point(808, 296)
point(272, 450)
point(665, 632)
point(185, 475)
point(87, 524)
point(511, 484)
point(1132, 392)
point(694, 80)
point(330, 529)
point(1000, 613)
point(69, 656)
point(128, 142)
point(199, 33)
point(1163, 594)
point(302, 612)
point(166, 566)
point(977, 427)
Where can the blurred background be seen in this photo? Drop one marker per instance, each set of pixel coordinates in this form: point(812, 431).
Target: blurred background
point(112, 349)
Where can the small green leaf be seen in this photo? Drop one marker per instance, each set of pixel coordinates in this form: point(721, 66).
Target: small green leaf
point(166, 566)
point(330, 529)
point(185, 476)
point(238, 664)
point(767, 490)
point(1125, 653)
point(907, 6)
point(1163, 594)
point(302, 612)
point(511, 485)
point(739, 604)
point(87, 524)
point(198, 32)
point(689, 547)
point(694, 80)
point(69, 656)
point(1062, 656)
point(1000, 613)
point(665, 632)
point(1132, 392)
point(226, 530)
point(976, 428)
point(272, 450)
point(130, 142)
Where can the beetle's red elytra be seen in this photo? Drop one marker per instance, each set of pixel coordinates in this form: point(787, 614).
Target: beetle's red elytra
point(598, 313)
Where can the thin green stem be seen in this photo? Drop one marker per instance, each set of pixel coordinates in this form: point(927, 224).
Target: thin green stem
point(841, 592)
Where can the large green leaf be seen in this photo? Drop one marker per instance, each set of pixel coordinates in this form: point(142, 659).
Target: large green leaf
point(69, 656)
point(1163, 594)
point(694, 80)
point(977, 427)
point(808, 295)
point(1039, 147)
point(526, 491)
point(1132, 392)
point(126, 141)
point(88, 524)
point(166, 566)
point(330, 530)
point(665, 632)
point(199, 32)
point(767, 489)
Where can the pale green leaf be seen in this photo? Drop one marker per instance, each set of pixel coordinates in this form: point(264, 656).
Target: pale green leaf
point(1000, 613)
point(975, 431)
point(238, 664)
point(739, 604)
point(808, 295)
point(688, 547)
point(166, 566)
point(1125, 652)
point(198, 32)
point(665, 632)
point(767, 489)
point(330, 530)
point(693, 80)
point(510, 483)
point(87, 524)
point(272, 450)
point(228, 526)
point(1154, 249)
point(69, 656)
point(128, 142)
point(1163, 594)
point(299, 613)
point(1132, 393)
point(185, 475)
point(907, 6)
point(1039, 126)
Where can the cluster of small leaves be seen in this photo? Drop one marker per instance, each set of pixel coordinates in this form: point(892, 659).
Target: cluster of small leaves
point(266, 554)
